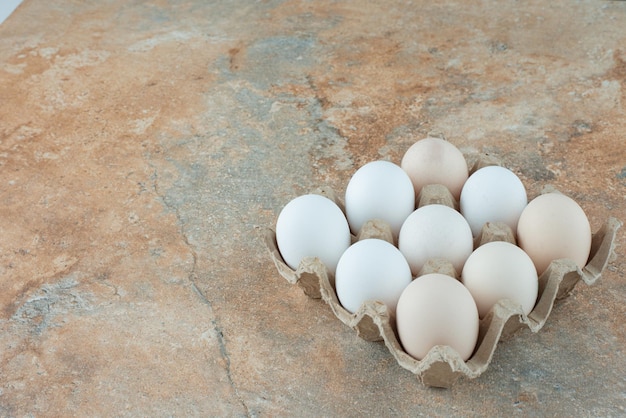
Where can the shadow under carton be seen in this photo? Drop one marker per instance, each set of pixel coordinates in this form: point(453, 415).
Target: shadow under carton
point(442, 366)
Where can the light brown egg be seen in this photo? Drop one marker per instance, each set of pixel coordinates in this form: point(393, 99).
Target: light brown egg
point(435, 161)
point(436, 309)
point(554, 226)
point(500, 270)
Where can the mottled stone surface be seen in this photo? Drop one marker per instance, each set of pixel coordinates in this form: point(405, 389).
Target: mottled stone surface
point(142, 142)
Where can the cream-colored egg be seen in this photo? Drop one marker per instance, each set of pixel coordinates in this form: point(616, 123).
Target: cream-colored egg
point(379, 190)
point(500, 270)
point(371, 269)
point(435, 231)
point(435, 161)
point(554, 226)
point(312, 226)
point(436, 309)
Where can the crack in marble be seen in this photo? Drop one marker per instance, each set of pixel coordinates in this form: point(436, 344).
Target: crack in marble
point(192, 277)
point(183, 234)
point(223, 350)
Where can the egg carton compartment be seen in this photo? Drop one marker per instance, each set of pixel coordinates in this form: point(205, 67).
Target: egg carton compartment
point(443, 366)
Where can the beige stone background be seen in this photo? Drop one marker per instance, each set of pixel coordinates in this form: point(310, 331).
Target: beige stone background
point(141, 142)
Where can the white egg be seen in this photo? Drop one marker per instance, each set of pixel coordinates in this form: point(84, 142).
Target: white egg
point(493, 194)
point(435, 231)
point(312, 226)
point(500, 270)
point(379, 190)
point(371, 269)
point(436, 309)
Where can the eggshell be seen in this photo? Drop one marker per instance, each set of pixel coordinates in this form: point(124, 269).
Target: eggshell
point(493, 194)
point(435, 161)
point(379, 190)
point(371, 269)
point(554, 226)
point(436, 309)
point(500, 270)
point(435, 231)
point(312, 226)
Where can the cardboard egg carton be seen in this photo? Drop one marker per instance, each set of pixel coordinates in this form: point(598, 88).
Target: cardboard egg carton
point(443, 366)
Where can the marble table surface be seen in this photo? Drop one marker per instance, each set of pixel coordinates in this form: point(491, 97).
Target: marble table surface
point(143, 143)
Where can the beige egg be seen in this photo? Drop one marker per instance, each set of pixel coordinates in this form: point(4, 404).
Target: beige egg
point(554, 226)
point(436, 309)
point(435, 161)
point(500, 270)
